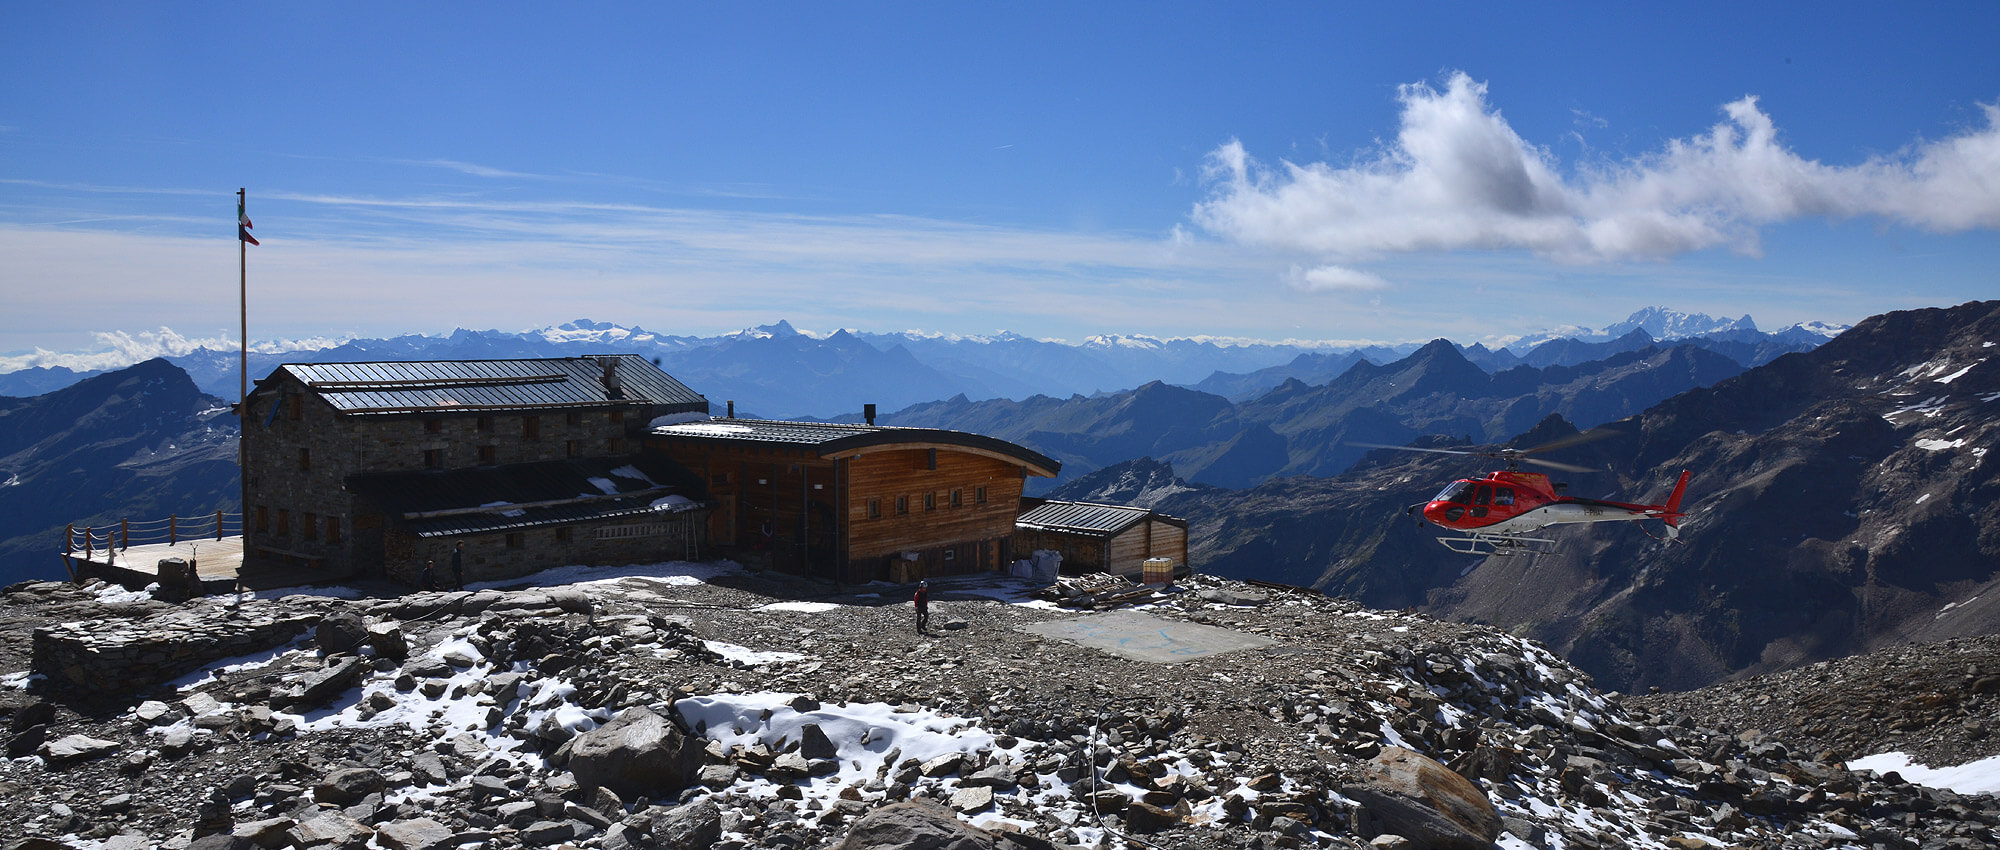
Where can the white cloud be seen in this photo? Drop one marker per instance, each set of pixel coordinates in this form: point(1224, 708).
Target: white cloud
point(119, 349)
point(1336, 279)
point(1458, 177)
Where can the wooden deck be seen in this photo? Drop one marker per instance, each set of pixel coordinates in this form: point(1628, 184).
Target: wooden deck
point(216, 561)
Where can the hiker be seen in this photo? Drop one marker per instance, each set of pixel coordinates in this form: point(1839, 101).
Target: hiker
point(458, 566)
point(923, 600)
point(428, 579)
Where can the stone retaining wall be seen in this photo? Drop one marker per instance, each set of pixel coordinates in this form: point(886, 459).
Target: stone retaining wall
point(105, 657)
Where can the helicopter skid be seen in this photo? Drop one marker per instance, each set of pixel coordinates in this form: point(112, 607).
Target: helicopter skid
point(1498, 544)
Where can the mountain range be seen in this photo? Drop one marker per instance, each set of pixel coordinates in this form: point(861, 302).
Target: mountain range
point(776, 371)
point(1842, 501)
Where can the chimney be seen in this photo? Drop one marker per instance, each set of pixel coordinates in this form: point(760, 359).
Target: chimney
point(868, 413)
point(732, 410)
point(612, 388)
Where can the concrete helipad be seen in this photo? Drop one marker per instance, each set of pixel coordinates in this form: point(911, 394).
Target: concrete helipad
point(1129, 634)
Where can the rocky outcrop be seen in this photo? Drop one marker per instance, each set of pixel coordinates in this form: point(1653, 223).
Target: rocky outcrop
point(117, 656)
point(638, 753)
point(1411, 795)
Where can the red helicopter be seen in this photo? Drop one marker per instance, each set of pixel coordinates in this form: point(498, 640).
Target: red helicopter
point(1499, 512)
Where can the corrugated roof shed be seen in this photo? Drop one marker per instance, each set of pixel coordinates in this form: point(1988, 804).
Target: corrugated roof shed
point(440, 503)
point(463, 385)
point(1083, 517)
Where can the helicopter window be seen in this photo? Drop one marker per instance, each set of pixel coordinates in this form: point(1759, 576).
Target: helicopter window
point(1503, 495)
point(1483, 496)
point(1456, 491)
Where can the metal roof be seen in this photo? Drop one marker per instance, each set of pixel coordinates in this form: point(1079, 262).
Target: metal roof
point(442, 503)
point(1086, 517)
point(468, 385)
point(834, 438)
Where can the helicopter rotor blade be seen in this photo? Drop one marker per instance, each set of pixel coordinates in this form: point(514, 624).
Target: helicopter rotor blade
point(1566, 467)
point(1577, 439)
point(1415, 449)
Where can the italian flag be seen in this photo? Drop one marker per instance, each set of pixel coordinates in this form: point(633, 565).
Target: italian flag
point(243, 225)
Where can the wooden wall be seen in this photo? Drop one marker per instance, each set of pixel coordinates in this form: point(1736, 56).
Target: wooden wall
point(1124, 553)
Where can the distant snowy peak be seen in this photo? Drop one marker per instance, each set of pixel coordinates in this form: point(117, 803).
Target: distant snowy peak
point(1134, 341)
point(1663, 323)
point(1825, 330)
point(585, 330)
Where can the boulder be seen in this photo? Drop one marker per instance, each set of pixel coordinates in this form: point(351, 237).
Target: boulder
point(1411, 795)
point(694, 826)
point(388, 640)
point(71, 748)
point(340, 631)
point(347, 786)
point(321, 687)
point(1242, 596)
point(415, 834)
point(916, 825)
point(638, 753)
point(331, 828)
point(814, 744)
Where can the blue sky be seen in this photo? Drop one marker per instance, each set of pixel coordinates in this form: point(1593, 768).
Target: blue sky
point(1257, 171)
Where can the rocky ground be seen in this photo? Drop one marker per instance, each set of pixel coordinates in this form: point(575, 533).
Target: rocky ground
point(697, 706)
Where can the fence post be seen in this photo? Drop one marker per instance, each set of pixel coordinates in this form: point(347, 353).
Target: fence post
point(87, 541)
point(173, 531)
point(218, 524)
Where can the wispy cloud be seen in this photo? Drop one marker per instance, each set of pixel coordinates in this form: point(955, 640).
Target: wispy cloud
point(1459, 177)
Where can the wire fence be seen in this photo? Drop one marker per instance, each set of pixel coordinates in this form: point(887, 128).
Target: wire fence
point(91, 540)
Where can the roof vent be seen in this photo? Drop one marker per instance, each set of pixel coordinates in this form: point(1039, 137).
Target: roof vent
point(868, 413)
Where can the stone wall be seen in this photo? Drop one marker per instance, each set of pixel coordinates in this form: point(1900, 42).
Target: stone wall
point(646, 539)
point(112, 657)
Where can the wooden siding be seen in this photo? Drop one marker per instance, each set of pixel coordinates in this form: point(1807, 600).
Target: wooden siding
point(1124, 553)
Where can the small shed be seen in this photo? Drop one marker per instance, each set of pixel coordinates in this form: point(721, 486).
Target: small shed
point(1101, 538)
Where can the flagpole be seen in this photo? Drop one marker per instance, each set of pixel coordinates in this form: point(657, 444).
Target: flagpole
point(243, 311)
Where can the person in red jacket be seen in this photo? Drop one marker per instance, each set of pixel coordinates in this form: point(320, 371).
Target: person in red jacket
point(923, 600)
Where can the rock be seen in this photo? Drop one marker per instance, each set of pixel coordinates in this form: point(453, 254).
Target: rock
point(388, 640)
point(269, 833)
point(1415, 797)
point(638, 753)
point(969, 799)
point(347, 787)
point(221, 841)
point(75, 748)
point(27, 741)
point(1146, 818)
point(340, 631)
point(954, 624)
point(943, 765)
point(916, 825)
point(547, 833)
point(177, 742)
point(332, 828)
point(998, 775)
point(814, 744)
point(1241, 596)
point(694, 826)
point(415, 834)
point(321, 687)
point(37, 713)
point(153, 712)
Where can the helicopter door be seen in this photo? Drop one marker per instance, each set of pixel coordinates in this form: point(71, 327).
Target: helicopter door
point(1480, 499)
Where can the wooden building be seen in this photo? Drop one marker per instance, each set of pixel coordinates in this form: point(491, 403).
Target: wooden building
point(856, 502)
point(1101, 538)
point(373, 468)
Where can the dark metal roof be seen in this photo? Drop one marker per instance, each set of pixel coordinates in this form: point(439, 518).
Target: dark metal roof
point(441, 503)
point(833, 438)
point(467, 385)
point(1087, 517)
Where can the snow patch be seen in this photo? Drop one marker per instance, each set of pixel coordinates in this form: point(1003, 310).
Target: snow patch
point(1979, 777)
point(749, 657)
point(513, 512)
point(1938, 445)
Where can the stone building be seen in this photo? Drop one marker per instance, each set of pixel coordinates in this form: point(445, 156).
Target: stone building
point(373, 468)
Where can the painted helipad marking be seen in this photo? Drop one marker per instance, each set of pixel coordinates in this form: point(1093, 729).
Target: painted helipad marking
point(1136, 636)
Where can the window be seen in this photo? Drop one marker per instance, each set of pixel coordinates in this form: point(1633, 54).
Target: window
point(333, 529)
point(979, 495)
point(531, 427)
point(484, 424)
point(432, 426)
point(617, 416)
point(295, 407)
point(309, 526)
point(951, 554)
point(874, 508)
point(1482, 496)
point(516, 540)
point(930, 501)
point(614, 445)
point(433, 458)
point(284, 522)
point(573, 448)
point(263, 519)
point(486, 454)
point(305, 460)
point(1503, 495)
point(957, 498)
point(562, 534)
point(902, 504)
